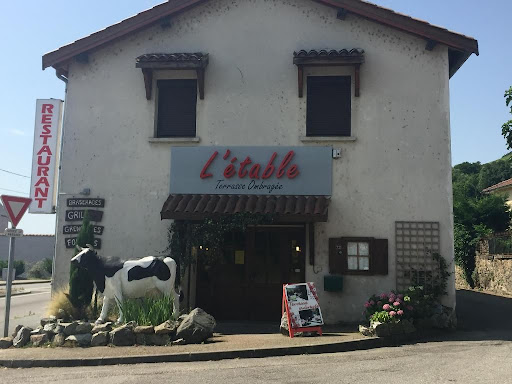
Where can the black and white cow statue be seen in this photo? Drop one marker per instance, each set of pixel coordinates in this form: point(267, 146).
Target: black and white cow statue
point(129, 279)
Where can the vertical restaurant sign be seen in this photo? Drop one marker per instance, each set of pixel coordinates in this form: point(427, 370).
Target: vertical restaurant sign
point(45, 156)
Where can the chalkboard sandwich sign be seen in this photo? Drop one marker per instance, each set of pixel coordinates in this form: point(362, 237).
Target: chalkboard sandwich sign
point(300, 301)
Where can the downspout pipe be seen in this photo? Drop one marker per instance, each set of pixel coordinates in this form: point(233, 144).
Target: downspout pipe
point(61, 74)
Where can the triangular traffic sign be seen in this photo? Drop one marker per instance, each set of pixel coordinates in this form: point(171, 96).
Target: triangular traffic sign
point(16, 207)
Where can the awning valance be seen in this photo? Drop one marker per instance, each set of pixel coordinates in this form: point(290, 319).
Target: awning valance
point(286, 208)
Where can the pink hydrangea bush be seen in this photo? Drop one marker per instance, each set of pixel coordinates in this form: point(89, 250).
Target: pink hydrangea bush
point(390, 307)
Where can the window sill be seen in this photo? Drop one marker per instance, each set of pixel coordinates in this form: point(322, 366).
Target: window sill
point(175, 140)
point(309, 139)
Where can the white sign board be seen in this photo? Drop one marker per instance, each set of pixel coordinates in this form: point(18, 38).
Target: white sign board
point(13, 232)
point(302, 305)
point(45, 156)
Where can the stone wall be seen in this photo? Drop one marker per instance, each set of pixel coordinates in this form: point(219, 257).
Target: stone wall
point(493, 272)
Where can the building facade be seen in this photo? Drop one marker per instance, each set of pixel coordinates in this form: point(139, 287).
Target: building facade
point(355, 97)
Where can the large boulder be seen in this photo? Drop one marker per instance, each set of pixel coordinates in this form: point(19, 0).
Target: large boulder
point(53, 328)
point(123, 336)
point(22, 338)
point(70, 328)
point(5, 342)
point(145, 329)
point(196, 327)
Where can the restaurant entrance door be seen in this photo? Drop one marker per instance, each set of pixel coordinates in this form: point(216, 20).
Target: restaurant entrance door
point(247, 283)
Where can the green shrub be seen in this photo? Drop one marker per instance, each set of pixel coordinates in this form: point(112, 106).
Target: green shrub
point(81, 284)
point(19, 266)
point(148, 310)
point(41, 270)
point(382, 317)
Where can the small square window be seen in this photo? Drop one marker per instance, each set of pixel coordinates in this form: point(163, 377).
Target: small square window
point(328, 106)
point(358, 256)
point(177, 101)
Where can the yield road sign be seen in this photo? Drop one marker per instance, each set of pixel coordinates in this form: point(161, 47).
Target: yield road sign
point(16, 207)
point(13, 232)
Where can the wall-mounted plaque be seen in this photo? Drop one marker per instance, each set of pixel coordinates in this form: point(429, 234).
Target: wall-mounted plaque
point(74, 229)
point(79, 202)
point(78, 215)
point(71, 242)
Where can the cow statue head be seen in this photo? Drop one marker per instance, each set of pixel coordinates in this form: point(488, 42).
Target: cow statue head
point(87, 257)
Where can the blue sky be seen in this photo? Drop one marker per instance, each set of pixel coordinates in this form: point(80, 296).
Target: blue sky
point(31, 28)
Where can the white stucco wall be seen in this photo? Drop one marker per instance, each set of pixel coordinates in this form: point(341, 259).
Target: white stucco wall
point(399, 167)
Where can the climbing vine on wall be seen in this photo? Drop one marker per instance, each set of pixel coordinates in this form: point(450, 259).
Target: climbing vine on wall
point(210, 234)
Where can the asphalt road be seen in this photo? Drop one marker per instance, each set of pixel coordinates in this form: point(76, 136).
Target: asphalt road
point(436, 362)
point(26, 309)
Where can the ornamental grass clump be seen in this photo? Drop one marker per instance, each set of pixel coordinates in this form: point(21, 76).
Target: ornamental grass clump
point(148, 310)
point(388, 308)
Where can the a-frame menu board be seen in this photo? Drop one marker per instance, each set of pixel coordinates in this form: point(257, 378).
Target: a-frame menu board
point(300, 301)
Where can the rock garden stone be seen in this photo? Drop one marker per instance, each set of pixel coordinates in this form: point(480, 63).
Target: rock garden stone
point(5, 342)
point(22, 338)
point(99, 339)
point(70, 328)
point(381, 329)
point(140, 338)
point(123, 336)
point(48, 320)
point(166, 328)
point(38, 340)
point(181, 318)
point(81, 340)
point(83, 328)
point(179, 342)
point(16, 330)
point(283, 328)
point(59, 339)
point(154, 339)
point(37, 331)
point(106, 327)
point(53, 328)
point(196, 327)
point(366, 331)
point(144, 329)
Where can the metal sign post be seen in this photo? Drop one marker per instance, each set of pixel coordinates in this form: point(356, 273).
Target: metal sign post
point(16, 207)
point(10, 266)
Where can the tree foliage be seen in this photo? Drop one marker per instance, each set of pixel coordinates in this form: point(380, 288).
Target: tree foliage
point(506, 128)
point(80, 281)
point(477, 214)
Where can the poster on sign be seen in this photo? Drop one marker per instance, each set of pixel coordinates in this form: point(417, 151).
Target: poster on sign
point(45, 156)
point(302, 307)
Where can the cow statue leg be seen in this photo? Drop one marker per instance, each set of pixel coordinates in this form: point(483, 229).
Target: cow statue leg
point(104, 311)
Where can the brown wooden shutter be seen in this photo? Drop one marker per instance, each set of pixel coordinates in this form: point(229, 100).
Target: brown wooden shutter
point(337, 255)
point(328, 106)
point(177, 101)
point(379, 257)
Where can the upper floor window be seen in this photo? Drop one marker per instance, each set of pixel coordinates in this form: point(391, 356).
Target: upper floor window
point(176, 115)
point(328, 106)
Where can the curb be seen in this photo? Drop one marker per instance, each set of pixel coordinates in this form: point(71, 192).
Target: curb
point(345, 346)
point(17, 294)
point(25, 282)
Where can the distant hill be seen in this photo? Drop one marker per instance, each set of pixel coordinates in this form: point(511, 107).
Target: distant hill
point(482, 176)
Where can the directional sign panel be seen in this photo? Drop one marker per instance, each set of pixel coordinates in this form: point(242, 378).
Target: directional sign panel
point(16, 207)
point(13, 232)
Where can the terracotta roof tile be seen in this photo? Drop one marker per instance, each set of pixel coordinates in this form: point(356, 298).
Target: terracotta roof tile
point(171, 57)
point(287, 208)
point(324, 53)
point(501, 184)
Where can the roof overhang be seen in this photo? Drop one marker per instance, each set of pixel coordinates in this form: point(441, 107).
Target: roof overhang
point(460, 46)
point(303, 209)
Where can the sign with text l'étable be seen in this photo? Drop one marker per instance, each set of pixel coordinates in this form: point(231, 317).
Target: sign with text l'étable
point(251, 170)
point(45, 156)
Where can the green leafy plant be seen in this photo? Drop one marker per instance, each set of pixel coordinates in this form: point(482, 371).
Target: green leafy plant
point(506, 128)
point(382, 317)
point(148, 310)
point(81, 283)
